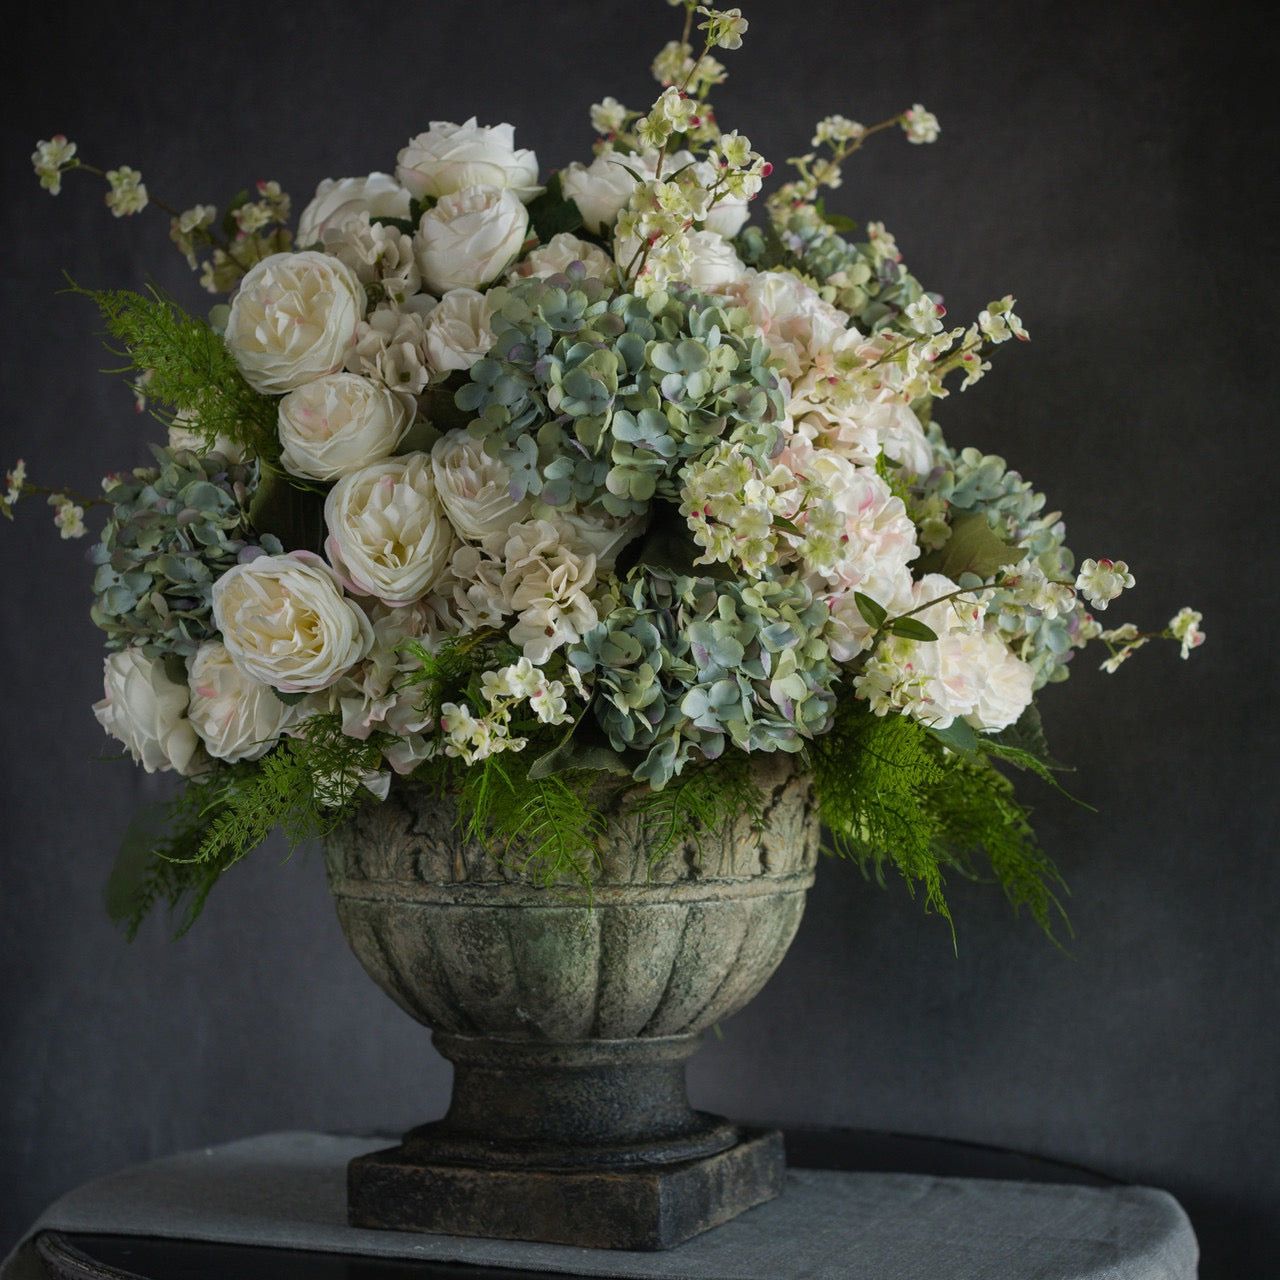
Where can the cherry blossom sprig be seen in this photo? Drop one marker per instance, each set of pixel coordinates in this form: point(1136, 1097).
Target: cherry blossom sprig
point(69, 507)
point(260, 225)
point(842, 138)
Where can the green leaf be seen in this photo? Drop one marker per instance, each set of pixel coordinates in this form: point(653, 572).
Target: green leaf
point(295, 515)
point(577, 755)
point(133, 863)
point(289, 699)
point(910, 629)
point(873, 614)
point(553, 212)
point(973, 547)
point(958, 735)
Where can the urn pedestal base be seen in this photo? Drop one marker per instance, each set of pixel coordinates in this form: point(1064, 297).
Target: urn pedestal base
point(638, 1206)
point(589, 1143)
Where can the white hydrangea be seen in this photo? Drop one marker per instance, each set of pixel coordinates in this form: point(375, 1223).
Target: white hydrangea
point(390, 346)
point(548, 585)
point(968, 673)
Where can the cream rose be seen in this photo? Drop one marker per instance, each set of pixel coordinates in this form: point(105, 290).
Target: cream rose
point(602, 188)
point(451, 157)
point(378, 194)
point(293, 319)
point(236, 716)
point(339, 423)
point(714, 263)
point(560, 252)
point(388, 534)
point(147, 711)
point(285, 621)
point(469, 238)
point(457, 331)
point(475, 489)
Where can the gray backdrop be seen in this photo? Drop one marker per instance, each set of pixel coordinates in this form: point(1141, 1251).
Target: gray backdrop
point(1111, 165)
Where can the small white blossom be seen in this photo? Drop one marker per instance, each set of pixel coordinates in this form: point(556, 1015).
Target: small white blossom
point(1185, 626)
point(920, 125)
point(835, 130)
point(14, 480)
point(128, 194)
point(924, 315)
point(185, 229)
point(519, 681)
point(998, 323)
point(724, 27)
point(68, 516)
point(50, 159)
point(608, 116)
point(1102, 581)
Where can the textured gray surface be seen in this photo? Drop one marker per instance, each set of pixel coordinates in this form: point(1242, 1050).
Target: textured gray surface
point(1112, 166)
point(286, 1190)
point(662, 946)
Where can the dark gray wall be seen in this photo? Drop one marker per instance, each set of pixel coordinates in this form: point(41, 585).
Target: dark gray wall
point(1111, 165)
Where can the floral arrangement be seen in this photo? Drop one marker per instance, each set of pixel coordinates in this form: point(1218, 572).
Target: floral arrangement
point(514, 484)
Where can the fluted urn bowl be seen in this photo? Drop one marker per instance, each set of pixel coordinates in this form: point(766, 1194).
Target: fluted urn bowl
point(569, 1015)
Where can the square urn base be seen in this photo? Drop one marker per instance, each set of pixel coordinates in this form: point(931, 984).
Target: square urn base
point(644, 1206)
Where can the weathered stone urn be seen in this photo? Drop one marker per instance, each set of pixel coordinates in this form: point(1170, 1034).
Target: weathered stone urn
point(569, 1021)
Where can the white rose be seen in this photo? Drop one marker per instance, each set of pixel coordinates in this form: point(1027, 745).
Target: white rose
point(339, 423)
point(184, 433)
point(293, 319)
point(457, 331)
point(469, 238)
point(559, 253)
point(602, 188)
point(236, 716)
point(147, 712)
point(714, 262)
point(388, 534)
point(378, 194)
point(285, 621)
point(474, 488)
point(451, 157)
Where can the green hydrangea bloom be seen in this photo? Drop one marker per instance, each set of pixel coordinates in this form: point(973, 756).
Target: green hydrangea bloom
point(688, 666)
point(969, 480)
point(174, 529)
point(593, 399)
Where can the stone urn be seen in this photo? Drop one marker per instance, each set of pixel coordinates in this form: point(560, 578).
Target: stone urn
point(569, 1015)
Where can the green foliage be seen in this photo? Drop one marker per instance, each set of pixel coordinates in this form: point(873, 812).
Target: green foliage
point(893, 793)
point(552, 212)
point(973, 547)
point(698, 800)
point(548, 826)
point(188, 369)
point(305, 786)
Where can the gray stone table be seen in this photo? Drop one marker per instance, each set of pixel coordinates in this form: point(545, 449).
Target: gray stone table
point(286, 1191)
